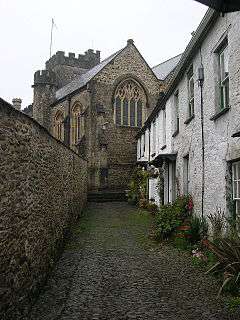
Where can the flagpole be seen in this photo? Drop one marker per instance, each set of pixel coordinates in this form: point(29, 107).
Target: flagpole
point(51, 38)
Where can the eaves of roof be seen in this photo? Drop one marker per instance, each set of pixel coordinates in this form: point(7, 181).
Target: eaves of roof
point(205, 25)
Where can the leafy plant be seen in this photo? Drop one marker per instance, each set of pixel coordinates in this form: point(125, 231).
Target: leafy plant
point(181, 243)
point(152, 207)
point(218, 223)
point(233, 303)
point(138, 185)
point(227, 252)
point(170, 216)
point(199, 228)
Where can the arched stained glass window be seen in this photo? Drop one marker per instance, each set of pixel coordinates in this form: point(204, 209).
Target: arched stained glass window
point(118, 109)
point(58, 127)
point(139, 113)
point(77, 124)
point(125, 112)
point(132, 113)
point(129, 103)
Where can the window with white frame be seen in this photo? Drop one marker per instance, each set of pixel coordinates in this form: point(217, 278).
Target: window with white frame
point(143, 145)
point(154, 137)
point(236, 180)
point(164, 126)
point(190, 92)
point(176, 111)
point(224, 76)
point(236, 191)
point(139, 148)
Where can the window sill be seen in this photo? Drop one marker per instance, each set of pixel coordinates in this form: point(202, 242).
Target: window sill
point(189, 119)
point(175, 133)
point(164, 147)
point(220, 113)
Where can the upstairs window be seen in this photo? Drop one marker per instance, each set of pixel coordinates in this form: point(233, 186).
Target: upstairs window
point(58, 129)
point(129, 104)
point(224, 77)
point(164, 126)
point(176, 111)
point(190, 93)
point(154, 137)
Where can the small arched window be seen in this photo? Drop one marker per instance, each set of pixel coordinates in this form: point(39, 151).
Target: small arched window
point(58, 128)
point(77, 124)
point(129, 104)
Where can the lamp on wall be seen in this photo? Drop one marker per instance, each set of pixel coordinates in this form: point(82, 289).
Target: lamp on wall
point(200, 75)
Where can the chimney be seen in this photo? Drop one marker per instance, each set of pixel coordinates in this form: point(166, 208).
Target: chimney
point(16, 102)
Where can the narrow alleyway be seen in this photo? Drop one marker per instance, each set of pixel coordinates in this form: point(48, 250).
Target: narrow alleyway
point(110, 270)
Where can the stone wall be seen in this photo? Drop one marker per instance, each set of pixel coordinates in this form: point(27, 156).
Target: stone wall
point(42, 191)
point(111, 150)
point(119, 155)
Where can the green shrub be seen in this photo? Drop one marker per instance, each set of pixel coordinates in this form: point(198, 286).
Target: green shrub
point(181, 243)
point(152, 207)
point(171, 216)
point(138, 185)
point(167, 220)
point(233, 303)
point(199, 228)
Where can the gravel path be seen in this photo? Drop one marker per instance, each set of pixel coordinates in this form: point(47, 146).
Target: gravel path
point(109, 270)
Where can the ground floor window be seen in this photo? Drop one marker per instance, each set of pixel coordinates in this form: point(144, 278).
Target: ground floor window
point(236, 186)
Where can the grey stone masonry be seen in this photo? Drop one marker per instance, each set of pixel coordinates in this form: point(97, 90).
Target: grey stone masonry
point(85, 61)
point(42, 192)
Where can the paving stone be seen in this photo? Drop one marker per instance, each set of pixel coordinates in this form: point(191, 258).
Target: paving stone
point(107, 271)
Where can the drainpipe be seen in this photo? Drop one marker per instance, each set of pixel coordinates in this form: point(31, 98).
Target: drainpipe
point(200, 82)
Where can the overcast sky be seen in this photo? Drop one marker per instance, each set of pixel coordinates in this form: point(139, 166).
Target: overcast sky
point(160, 29)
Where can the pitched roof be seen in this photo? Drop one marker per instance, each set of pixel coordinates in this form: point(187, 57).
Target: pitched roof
point(163, 69)
point(83, 79)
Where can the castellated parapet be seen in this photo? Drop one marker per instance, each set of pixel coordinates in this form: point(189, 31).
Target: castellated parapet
point(44, 77)
point(84, 61)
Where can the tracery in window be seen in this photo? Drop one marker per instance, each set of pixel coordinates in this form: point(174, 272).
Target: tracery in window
point(77, 124)
point(129, 104)
point(58, 126)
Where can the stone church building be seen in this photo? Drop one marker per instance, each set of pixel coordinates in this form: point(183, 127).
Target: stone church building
point(97, 108)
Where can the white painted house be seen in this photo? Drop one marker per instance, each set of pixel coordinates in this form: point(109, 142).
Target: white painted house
point(205, 165)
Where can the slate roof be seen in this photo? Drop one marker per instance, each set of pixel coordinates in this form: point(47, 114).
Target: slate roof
point(163, 69)
point(83, 79)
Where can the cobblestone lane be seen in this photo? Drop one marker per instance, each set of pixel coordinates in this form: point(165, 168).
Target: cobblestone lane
point(109, 270)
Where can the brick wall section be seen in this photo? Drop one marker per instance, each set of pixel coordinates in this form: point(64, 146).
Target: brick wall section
point(42, 191)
